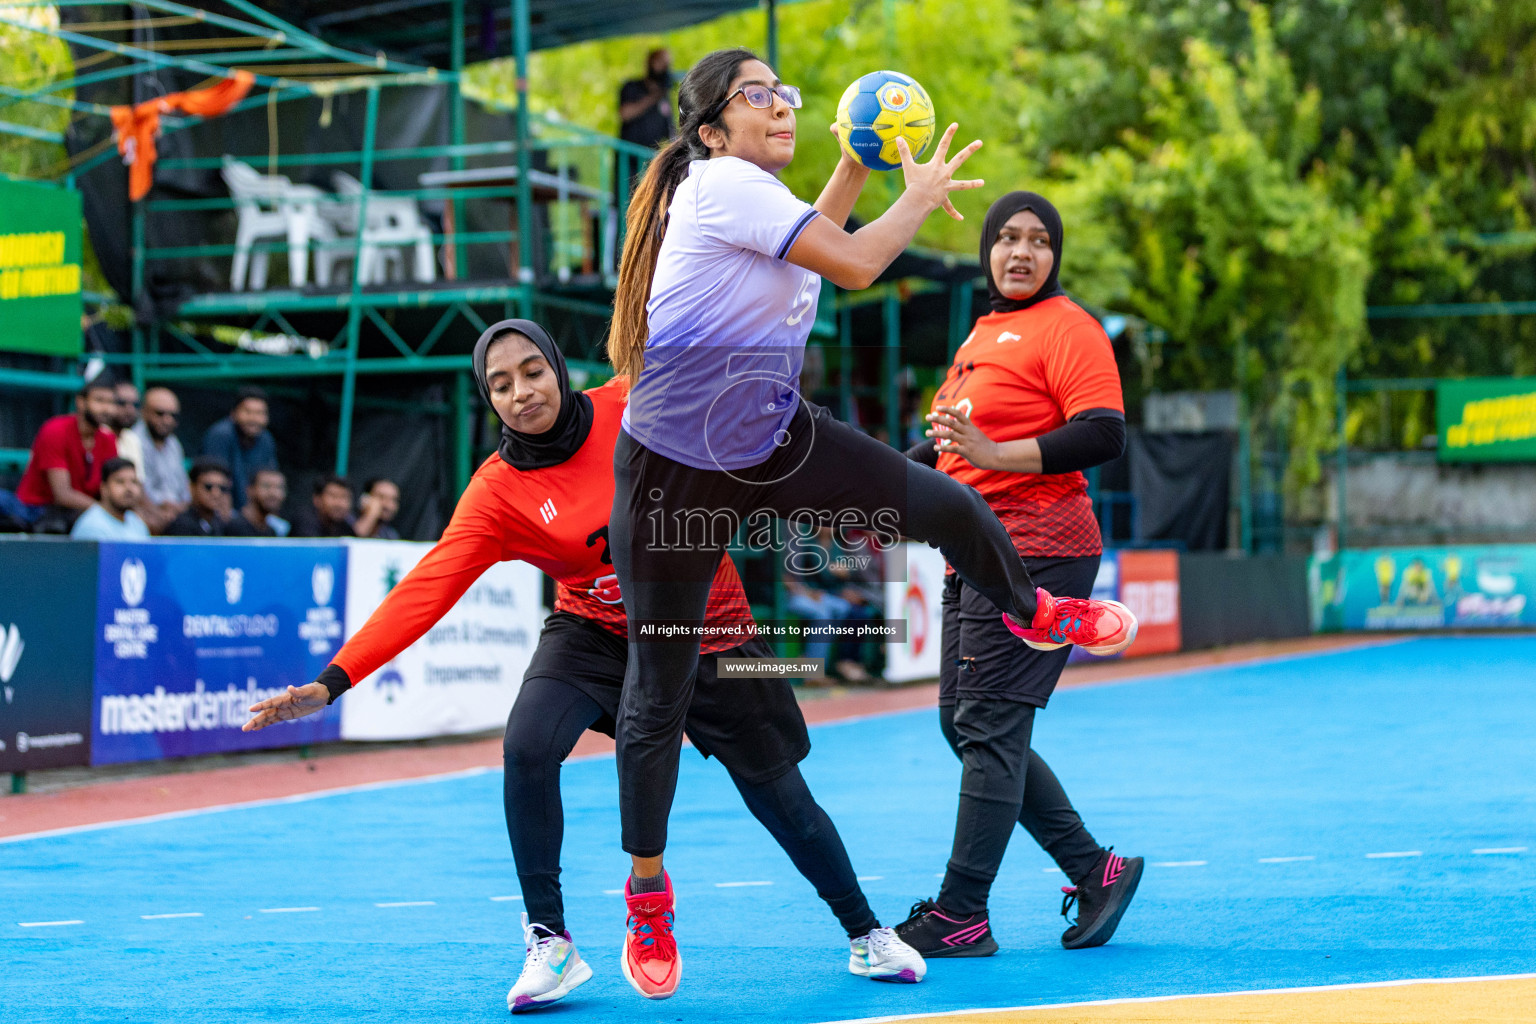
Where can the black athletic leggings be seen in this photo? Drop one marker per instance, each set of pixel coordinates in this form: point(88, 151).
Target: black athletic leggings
point(548, 718)
point(1004, 781)
point(671, 522)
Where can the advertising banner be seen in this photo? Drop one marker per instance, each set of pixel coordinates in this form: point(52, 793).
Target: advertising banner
point(1486, 419)
point(46, 616)
point(1427, 588)
point(189, 634)
point(915, 597)
point(40, 269)
point(464, 674)
point(1149, 587)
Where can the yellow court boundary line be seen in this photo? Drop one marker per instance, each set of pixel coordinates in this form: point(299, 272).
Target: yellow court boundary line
point(1054, 1007)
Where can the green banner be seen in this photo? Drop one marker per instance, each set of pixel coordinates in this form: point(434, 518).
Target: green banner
point(39, 269)
point(1486, 419)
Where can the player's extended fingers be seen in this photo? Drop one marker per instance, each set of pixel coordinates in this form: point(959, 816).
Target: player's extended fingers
point(949, 208)
point(941, 151)
point(270, 702)
point(965, 184)
point(261, 721)
point(904, 151)
point(962, 156)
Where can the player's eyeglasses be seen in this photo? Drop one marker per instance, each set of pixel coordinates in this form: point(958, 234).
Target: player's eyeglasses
point(760, 97)
point(214, 488)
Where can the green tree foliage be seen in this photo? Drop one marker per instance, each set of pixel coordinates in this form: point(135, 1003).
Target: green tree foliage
point(29, 61)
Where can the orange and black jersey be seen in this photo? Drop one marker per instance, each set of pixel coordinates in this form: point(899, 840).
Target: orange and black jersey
point(1024, 374)
point(555, 518)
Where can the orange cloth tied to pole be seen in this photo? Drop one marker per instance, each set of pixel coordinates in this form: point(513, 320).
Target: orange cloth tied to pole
point(137, 126)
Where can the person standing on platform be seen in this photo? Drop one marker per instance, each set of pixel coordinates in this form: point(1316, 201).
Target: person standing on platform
point(645, 104)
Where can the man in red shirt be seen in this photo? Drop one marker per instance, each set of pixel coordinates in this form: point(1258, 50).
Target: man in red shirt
point(63, 475)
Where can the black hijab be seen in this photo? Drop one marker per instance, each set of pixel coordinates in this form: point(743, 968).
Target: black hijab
point(992, 226)
point(574, 422)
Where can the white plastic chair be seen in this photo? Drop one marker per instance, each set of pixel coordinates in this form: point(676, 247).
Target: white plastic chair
point(393, 223)
point(270, 206)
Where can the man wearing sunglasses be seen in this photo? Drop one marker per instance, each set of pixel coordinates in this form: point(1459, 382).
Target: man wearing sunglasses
point(167, 491)
point(209, 514)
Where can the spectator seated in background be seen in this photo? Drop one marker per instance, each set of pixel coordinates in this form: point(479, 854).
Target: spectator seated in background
point(825, 589)
point(128, 445)
point(267, 491)
point(111, 517)
point(380, 503)
point(332, 500)
point(167, 491)
point(63, 475)
point(208, 515)
point(242, 441)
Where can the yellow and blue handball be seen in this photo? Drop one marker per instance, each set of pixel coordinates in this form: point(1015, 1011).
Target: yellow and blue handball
point(878, 109)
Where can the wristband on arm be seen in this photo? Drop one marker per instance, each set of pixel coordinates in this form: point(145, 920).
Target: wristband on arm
point(336, 681)
point(1091, 438)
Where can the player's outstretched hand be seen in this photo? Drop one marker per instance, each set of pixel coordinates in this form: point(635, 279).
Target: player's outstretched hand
point(285, 707)
point(935, 179)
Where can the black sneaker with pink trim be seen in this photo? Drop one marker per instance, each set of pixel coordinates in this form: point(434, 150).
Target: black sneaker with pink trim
point(1101, 898)
point(936, 933)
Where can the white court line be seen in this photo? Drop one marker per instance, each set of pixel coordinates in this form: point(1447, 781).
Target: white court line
point(1396, 853)
point(1052, 1007)
point(613, 892)
point(738, 885)
point(1179, 864)
point(297, 798)
point(167, 917)
point(1500, 849)
point(409, 903)
point(288, 910)
point(1284, 860)
point(1052, 871)
point(869, 878)
point(503, 899)
point(45, 924)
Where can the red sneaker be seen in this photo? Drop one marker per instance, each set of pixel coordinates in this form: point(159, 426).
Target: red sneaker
point(651, 961)
point(1098, 627)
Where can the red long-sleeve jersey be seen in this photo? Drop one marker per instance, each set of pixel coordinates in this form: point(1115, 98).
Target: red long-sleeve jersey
point(554, 518)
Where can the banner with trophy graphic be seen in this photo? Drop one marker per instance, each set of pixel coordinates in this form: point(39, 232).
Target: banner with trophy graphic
point(1464, 587)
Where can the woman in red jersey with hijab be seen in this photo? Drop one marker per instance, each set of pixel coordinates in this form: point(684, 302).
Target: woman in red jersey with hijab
point(1032, 399)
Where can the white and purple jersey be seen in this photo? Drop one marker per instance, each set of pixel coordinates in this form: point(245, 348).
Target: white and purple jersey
point(728, 320)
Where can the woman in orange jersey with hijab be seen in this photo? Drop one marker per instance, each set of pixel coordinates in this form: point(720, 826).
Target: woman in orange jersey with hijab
point(1032, 399)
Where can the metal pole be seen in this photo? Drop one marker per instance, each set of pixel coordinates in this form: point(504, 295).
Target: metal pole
point(890, 311)
point(1244, 451)
point(773, 35)
point(1343, 457)
point(136, 291)
point(520, 43)
point(456, 123)
point(461, 432)
point(959, 315)
point(354, 311)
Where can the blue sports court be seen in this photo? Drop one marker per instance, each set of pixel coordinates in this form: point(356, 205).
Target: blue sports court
point(1357, 816)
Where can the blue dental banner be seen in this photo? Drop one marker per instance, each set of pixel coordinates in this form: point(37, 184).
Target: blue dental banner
point(190, 634)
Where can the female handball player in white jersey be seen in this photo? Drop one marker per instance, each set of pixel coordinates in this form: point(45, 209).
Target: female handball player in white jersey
point(556, 447)
point(717, 292)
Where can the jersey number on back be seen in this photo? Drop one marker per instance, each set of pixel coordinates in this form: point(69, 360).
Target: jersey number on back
point(604, 588)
